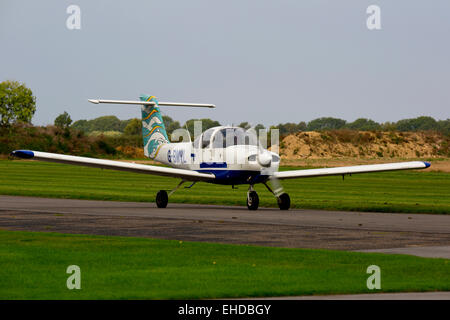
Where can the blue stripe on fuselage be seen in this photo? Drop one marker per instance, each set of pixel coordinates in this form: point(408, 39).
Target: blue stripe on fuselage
point(213, 165)
point(236, 176)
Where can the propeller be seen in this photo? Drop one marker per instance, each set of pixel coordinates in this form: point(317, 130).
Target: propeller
point(264, 158)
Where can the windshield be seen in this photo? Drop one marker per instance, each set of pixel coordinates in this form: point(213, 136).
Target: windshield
point(205, 139)
point(234, 137)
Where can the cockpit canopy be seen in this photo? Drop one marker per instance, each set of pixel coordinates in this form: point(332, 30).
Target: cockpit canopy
point(222, 137)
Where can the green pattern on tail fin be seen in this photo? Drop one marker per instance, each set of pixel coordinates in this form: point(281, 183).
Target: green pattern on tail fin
point(153, 129)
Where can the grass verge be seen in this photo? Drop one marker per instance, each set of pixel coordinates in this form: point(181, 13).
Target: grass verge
point(405, 191)
point(33, 266)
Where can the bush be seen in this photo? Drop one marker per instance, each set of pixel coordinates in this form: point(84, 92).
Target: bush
point(53, 139)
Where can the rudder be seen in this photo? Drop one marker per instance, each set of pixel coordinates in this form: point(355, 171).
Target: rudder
point(153, 129)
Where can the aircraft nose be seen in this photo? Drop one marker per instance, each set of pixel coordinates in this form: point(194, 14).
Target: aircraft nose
point(265, 159)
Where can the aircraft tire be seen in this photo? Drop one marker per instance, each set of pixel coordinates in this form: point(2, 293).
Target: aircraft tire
point(284, 201)
point(162, 199)
point(252, 200)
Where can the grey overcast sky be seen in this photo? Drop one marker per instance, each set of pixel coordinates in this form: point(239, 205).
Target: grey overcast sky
point(258, 61)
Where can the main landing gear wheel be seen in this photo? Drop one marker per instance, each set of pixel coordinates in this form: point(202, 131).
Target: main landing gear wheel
point(162, 199)
point(284, 202)
point(252, 200)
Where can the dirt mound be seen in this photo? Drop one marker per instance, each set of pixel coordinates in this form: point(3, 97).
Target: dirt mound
point(131, 152)
point(363, 144)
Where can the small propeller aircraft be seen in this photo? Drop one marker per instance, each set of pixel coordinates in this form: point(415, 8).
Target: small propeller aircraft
point(223, 155)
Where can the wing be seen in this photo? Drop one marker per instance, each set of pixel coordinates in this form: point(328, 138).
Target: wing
point(114, 165)
point(349, 170)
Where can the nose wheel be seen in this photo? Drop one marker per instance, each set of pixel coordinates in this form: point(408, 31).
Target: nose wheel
point(284, 201)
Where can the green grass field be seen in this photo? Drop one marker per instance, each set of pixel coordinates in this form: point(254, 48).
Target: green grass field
point(405, 191)
point(33, 266)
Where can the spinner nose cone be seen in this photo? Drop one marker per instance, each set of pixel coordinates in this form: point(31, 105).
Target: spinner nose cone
point(265, 159)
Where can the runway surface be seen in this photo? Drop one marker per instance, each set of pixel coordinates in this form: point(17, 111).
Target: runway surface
point(416, 234)
point(372, 296)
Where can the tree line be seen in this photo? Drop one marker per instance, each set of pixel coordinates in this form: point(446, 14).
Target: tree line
point(423, 123)
point(18, 105)
point(133, 126)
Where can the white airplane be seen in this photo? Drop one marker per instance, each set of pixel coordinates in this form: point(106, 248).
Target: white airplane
point(223, 155)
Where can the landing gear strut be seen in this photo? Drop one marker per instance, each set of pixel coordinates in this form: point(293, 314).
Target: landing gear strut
point(283, 199)
point(252, 199)
point(162, 197)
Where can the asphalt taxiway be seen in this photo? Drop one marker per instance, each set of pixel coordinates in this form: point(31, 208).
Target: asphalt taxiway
point(416, 234)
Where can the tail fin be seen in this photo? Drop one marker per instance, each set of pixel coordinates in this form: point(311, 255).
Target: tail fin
point(153, 128)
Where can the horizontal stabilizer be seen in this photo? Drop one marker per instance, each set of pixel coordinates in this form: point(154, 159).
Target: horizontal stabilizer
point(152, 103)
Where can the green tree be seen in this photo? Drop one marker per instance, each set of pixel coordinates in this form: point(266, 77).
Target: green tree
point(170, 124)
point(105, 123)
point(290, 127)
point(326, 123)
point(63, 120)
point(302, 126)
point(134, 127)
point(444, 126)
point(17, 103)
point(206, 124)
point(245, 125)
point(82, 125)
point(123, 124)
point(363, 125)
point(388, 126)
point(415, 124)
point(258, 127)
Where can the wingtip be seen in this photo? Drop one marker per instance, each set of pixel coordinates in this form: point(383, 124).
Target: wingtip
point(427, 164)
point(93, 101)
point(23, 154)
